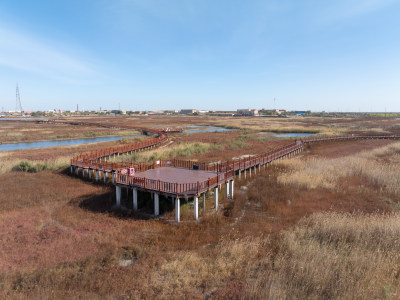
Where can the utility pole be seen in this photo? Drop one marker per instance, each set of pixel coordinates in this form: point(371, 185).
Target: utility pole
point(18, 106)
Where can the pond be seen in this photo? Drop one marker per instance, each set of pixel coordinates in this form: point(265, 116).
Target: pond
point(205, 128)
point(45, 144)
point(293, 134)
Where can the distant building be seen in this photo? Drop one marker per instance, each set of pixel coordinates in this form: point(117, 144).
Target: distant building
point(280, 111)
point(221, 114)
point(188, 111)
point(247, 112)
point(118, 112)
point(158, 112)
point(171, 112)
point(300, 112)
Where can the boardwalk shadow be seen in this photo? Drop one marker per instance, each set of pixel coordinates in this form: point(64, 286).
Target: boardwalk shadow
point(105, 203)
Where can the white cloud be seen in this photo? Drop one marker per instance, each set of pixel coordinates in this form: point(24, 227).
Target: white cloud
point(25, 53)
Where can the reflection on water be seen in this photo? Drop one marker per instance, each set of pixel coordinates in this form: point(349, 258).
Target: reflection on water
point(293, 134)
point(44, 144)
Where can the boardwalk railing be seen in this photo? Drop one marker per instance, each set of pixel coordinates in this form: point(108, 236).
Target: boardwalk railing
point(175, 188)
point(225, 170)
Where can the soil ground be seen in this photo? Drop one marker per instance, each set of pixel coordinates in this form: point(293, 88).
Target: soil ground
point(61, 238)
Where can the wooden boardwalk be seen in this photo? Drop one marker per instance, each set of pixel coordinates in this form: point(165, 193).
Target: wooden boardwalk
point(180, 178)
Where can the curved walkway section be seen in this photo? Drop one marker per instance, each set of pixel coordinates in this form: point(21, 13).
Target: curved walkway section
point(178, 179)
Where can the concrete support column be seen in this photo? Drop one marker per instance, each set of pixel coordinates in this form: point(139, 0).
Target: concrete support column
point(227, 189)
point(113, 177)
point(71, 170)
point(196, 208)
point(240, 174)
point(134, 199)
point(231, 188)
point(250, 172)
point(259, 168)
point(245, 175)
point(76, 170)
point(204, 202)
point(97, 175)
point(83, 172)
point(118, 195)
point(216, 198)
point(177, 210)
point(90, 174)
point(255, 170)
point(156, 204)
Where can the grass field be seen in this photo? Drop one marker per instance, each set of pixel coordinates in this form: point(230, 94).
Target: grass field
point(322, 225)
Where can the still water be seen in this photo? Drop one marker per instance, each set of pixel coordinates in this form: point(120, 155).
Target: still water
point(44, 144)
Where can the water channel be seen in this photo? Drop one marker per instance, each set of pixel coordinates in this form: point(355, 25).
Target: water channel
point(44, 144)
point(197, 129)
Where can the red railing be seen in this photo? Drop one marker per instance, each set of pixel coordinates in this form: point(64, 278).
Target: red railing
point(225, 170)
point(194, 188)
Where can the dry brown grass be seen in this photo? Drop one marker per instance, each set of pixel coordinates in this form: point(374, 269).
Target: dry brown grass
point(8, 163)
point(341, 256)
point(170, 151)
point(323, 173)
point(29, 131)
point(60, 239)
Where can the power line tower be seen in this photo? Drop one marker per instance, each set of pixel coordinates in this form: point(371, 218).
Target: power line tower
point(18, 106)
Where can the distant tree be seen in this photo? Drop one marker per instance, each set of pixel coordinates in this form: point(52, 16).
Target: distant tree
point(37, 114)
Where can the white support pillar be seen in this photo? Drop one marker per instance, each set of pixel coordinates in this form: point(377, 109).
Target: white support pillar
point(196, 208)
point(97, 175)
point(250, 171)
point(259, 167)
point(113, 177)
point(71, 170)
point(204, 202)
point(135, 199)
point(245, 175)
point(231, 188)
point(240, 174)
point(227, 190)
point(255, 170)
point(156, 204)
point(76, 170)
point(216, 198)
point(177, 210)
point(118, 195)
point(83, 172)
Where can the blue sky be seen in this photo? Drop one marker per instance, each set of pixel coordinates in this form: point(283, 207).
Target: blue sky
point(221, 55)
